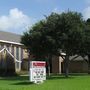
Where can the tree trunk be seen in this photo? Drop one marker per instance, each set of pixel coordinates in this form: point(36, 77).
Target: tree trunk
point(88, 64)
point(49, 64)
point(66, 66)
point(48, 69)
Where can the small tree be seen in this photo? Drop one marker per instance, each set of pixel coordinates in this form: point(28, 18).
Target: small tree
point(38, 42)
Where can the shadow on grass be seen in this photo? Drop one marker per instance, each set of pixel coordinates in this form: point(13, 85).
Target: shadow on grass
point(70, 76)
point(59, 77)
point(15, 78)
point(52, 77)
point(26, 78)
point(79, 74)
point(23, 83)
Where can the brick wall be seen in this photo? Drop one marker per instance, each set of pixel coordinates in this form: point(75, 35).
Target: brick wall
point(55, 64)
point(78, 67)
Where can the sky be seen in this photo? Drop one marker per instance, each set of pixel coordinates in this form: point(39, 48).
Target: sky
point(18, 16)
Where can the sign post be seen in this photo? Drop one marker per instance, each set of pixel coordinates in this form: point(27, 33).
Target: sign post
point(37, 71)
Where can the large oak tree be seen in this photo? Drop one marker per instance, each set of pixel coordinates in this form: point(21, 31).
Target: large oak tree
point(56, 33)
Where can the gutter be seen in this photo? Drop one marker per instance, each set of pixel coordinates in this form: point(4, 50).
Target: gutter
point(11, 42)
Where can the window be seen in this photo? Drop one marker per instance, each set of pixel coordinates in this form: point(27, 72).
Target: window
point(7, 46)
point(12, 50)
point(17, 53)
point(17, 65)
point(21, 53)
point(2, 45)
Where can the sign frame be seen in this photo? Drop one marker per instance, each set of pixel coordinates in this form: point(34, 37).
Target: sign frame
point(37, 71)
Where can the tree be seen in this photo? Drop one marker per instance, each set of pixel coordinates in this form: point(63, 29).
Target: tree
point(68, 29)
point(87, 42)
point(72, 35)
point(38, 42)
point(56, 33)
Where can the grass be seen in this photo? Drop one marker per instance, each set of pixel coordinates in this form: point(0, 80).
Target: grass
point(74, 82)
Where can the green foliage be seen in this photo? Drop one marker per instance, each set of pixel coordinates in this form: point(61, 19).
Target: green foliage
point(71, 31)
point(38, 40)
point(87, 37)
point(58, 31)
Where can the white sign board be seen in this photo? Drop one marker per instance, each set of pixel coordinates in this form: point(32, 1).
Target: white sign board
point(37, 71)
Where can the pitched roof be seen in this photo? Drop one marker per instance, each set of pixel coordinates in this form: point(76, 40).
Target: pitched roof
point(10, 37)
point(78, 58)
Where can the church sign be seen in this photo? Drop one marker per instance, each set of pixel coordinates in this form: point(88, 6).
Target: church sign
point(37, 71)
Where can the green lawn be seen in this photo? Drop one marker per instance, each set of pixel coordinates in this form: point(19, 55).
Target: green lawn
point(53, 83)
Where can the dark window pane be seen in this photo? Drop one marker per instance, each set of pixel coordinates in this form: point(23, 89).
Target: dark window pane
point(17, 53)
point(12, 51)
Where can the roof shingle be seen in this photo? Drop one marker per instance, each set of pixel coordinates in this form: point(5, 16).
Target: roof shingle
point(8, 36)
